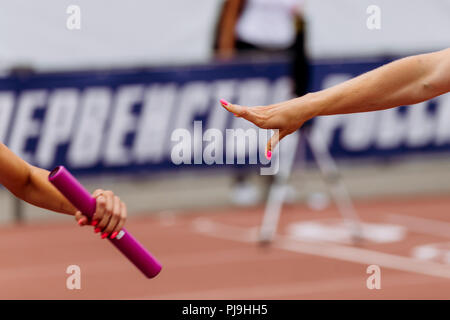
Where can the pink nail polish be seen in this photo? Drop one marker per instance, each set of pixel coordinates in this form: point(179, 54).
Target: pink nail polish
point(80, 222)
point(114, 234)
point(95, 222)
point(104, 235)
point(269, 155)
point(224, 102)
point(97, 230)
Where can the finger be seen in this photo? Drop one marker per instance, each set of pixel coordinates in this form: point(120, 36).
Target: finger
point(273, 142)
point(100, 210)
point(107, 213)
point(239, 111)
point(97, 193)
point(123, 218)
point(82, 220)
point(115, 217)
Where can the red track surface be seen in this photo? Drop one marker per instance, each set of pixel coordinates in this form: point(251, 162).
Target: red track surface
point(199, 265)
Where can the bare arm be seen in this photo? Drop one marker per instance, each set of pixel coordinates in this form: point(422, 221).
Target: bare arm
point(31, 184)
point(406, 81)
point(403, 82)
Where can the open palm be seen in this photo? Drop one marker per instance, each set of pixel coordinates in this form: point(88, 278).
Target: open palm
point(283, 116)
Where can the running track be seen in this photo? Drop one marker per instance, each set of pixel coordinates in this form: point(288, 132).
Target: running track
point(214, 256)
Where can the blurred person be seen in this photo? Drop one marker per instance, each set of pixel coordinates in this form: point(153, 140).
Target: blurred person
point(403, 82)
point(263, 27)
point(31, 184)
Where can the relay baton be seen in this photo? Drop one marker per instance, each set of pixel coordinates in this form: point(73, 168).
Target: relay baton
point(61, 178)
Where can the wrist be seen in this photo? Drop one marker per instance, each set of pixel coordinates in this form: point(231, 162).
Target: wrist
point(310, 106)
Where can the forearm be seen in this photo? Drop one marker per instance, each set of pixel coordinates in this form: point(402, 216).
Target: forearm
point(30, 183)
point(40, 192)
point(403, 82)
point(110, 214)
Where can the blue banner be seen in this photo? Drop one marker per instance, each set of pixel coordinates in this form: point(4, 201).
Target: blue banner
point(123, 120)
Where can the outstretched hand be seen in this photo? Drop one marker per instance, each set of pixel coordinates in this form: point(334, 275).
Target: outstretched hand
point(287, 117)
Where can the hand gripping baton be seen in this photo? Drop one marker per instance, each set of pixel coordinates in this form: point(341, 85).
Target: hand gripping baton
point(61, 178)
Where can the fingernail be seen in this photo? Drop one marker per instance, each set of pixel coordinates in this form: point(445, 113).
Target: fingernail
point(224, 102)
point(95, 222)
point(97, 230)
point(80, 222)
point(104, 235)
point(269, 155)
point(114, 234)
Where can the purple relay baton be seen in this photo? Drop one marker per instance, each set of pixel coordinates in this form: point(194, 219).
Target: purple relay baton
point(61, 178)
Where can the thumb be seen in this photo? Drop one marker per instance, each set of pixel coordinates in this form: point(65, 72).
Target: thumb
point(273, 142)
point(233, 108)
point(81, 219)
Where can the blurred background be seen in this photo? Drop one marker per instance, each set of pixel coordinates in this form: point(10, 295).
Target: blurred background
point(99, 87)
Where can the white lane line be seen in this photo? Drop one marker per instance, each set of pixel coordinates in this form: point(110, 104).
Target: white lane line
point(366, 257)
point(242, 234)
point(329, 250)
point(208, 259)
point(421, 225)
